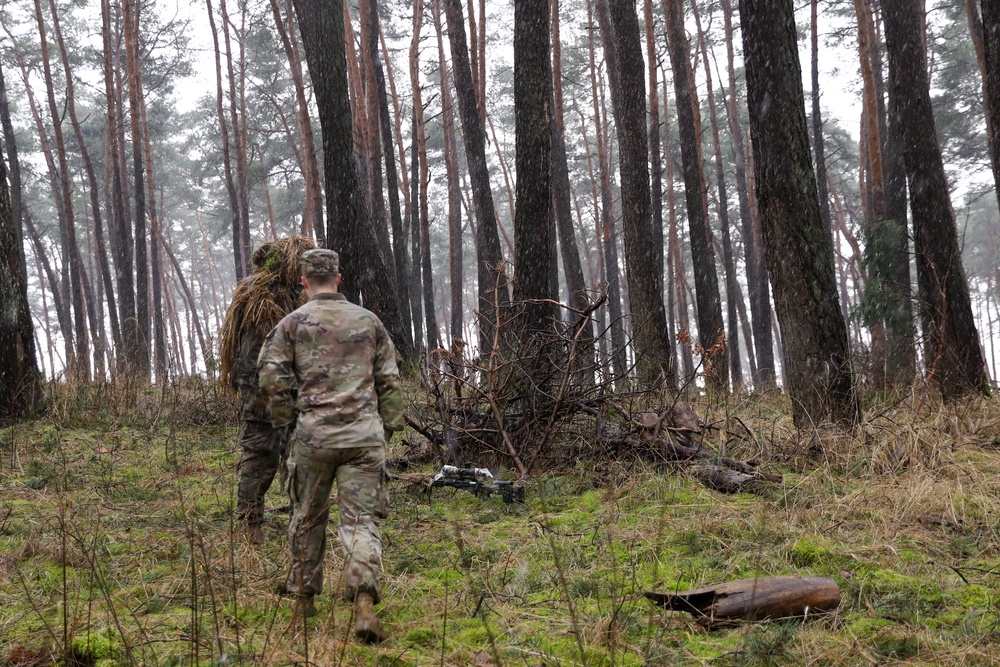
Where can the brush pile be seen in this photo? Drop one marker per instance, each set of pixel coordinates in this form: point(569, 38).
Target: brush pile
point(262, 298)
point(510, 410)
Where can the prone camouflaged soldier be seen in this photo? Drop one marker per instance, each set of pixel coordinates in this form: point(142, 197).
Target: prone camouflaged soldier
point(331, 366)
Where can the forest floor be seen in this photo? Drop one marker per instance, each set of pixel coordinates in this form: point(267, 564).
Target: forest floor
point(117, 541)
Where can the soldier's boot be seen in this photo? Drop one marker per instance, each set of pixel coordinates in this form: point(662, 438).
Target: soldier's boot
point(366, 625)
point(253, 533)
point(305, 605)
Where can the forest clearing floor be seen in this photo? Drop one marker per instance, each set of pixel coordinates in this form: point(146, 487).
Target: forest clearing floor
point(117, 547)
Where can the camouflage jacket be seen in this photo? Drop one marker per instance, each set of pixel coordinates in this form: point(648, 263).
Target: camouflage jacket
point(332, 365)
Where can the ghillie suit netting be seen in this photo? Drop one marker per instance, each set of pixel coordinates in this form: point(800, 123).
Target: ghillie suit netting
point(262, 298)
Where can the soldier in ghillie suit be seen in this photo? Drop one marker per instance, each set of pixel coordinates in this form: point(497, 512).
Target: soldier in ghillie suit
point(331, 366)
point(259, 302)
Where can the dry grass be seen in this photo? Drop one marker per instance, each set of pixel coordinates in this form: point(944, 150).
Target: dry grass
point(116, 540)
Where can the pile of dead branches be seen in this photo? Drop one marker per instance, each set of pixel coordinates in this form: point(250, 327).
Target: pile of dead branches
point(550, 402)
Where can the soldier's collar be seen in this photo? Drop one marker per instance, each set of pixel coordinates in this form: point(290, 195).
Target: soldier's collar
point(329, 296)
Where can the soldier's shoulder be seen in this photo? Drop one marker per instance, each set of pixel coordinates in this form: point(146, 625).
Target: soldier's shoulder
point(341, 308)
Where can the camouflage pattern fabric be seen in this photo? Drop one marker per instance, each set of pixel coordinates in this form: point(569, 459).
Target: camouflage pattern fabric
point(330, 366)
point(257, 467)
point(332, 363)
point(262, 444)
point(360, 476)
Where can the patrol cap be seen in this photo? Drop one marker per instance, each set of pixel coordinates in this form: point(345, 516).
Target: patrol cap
point(319, 261)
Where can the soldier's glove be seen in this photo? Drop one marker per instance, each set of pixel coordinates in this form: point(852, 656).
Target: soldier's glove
point(388, 432)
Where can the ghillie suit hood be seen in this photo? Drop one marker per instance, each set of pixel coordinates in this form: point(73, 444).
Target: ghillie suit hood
point(261, 299)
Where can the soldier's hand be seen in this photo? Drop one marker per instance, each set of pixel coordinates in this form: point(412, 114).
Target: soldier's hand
point(388, 432)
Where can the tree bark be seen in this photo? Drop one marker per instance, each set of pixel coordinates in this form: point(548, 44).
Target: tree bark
point(160, 341)
point(534, 231)
point(121, 231)
point(380, 146)
point(901, 355)
point(706, 281)
point(415, 286)
point(799, 252)
point(989, 60)
point(655, 160)
point(313, 209)
point(649, 320)
point(953, 356)
point(81, 371)
point(418, 184)
point(452, 178)
point(237, 121)
point(95, 206)
point(676, 299)
point(20, 385)
point(758, 289)
point(492, 279)
point(732, 290)
point(132, 55)
point(607, 222)
point(562, 208)
point(227, 168)
point(321, 24)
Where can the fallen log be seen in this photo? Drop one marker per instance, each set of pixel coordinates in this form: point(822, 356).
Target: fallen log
point(754, 599)
point(722, 479)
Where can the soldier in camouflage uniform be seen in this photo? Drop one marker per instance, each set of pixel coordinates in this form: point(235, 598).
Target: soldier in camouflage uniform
point(261, 443)
point(331, 365)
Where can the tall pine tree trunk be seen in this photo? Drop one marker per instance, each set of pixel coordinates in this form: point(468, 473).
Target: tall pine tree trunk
point(392, 186)
point(419, 181)
point(121, 231)
point(799, 252)
point(953, 356)
point(20, 387)
point(676, 299)
point(758, 289)
point(227, 162)
point(349, 231)
point(732, 290)
point(709, 304)
point(493, 290)
point(313, 208)
point(620, 33)
point(607, 224)
point(534, 231)
point(142, 268)
point(81, 371)
point(452, 178)
point(380, 145)
point(160, 341)
point(237, 121)
point(100, 251)
point(562, 209)
point(991, 86)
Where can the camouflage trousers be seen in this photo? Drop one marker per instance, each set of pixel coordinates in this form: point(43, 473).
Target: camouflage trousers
point(263, 447)
point(361, 486)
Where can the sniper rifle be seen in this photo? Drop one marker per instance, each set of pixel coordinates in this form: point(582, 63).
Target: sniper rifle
point(479, 482)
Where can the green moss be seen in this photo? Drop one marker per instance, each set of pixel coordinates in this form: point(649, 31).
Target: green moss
point(421, 636)
point(808, 553)
point(101, 649)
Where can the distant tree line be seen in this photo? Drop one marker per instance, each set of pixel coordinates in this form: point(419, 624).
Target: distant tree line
point(462, 190)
